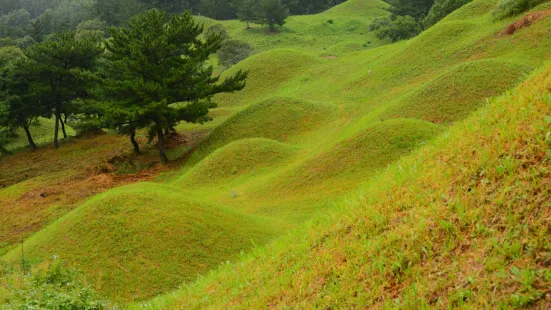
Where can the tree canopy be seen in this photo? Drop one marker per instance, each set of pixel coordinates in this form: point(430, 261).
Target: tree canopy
point(157, 77)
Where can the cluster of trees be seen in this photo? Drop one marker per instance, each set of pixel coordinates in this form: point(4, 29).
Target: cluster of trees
point(37, 18)
point(149, 75)
point(231, 51)
point(409, 17)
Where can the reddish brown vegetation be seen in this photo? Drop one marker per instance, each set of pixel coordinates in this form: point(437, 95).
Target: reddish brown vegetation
point(37, 187)
point(525, 21)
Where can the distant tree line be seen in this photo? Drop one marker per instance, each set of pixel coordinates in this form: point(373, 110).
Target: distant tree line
point(149, 75)
point(38, 18)
point(409, 17)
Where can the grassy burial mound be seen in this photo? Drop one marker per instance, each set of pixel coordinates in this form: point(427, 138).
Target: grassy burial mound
point(460, 90)
point(137, 241)
point(240, 159)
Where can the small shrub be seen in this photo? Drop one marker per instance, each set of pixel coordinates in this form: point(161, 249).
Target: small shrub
point(402, 28)
point(56, 287)
point(508, 8)
point(233, 51)
point(330, 21)
point(217, 29)
point(379, 22)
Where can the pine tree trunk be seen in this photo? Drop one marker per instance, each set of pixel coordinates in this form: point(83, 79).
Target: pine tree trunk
point(167, 132)
point(248, 26)
point(63, 127)
point(272, 27)
point(134, 143)
point(29, 137)
point(161, 146)
point(57, 119)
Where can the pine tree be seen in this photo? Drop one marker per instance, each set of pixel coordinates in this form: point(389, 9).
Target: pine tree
point(158, 77)
point(21, 105)
point(246, 11)
point(58, 67)
point(271, 12)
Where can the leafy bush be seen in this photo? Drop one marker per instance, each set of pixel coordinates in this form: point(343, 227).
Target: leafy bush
point(56, 287)
point(8, 54)
point(7, 41)
point(508, 8)
point(217, 29)
point(233, 51)
point(379, 22)
point(441, 9)
point(403, 27)
point(330, 21)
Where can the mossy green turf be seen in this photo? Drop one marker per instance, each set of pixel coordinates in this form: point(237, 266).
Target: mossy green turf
point(322, 126)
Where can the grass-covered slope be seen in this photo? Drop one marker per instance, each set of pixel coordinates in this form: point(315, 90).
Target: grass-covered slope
point(357, 157)
point(347, 23)
point(140, 240)
point(242, 158)
point(460, 90)
point(463, 222)
point(280, 119)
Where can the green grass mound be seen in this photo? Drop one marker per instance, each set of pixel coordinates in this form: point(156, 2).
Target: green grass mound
point(459, 91)
point(462, 223)
point(140, 240)
point(247, 157)
point(268, 73)
point(42, 133)
point(279, 119)
point(358, 156)
point(471, 10)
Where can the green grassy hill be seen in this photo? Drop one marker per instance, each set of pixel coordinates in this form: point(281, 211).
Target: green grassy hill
point(305, 133)
point(461, 223)
point(143, 239)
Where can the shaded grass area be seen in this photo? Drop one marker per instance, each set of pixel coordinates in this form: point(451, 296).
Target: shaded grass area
point(42, 133)
point(463, 222)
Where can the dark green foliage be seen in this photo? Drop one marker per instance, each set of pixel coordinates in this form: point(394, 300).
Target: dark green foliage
point(116, 12)
point(157, 75)
point(57, 287)
point(7, 134)
point(93, 29)
point(271, 12)
point(246, 11)
point(401, 28)
point(233, 51)
point(59, 67)
point(441, 9)
point(379, 22)
point(15, 24)
point(414, 8)
point(217, 30)
point(508, 8)
point(9, 53)
point(21, 105)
